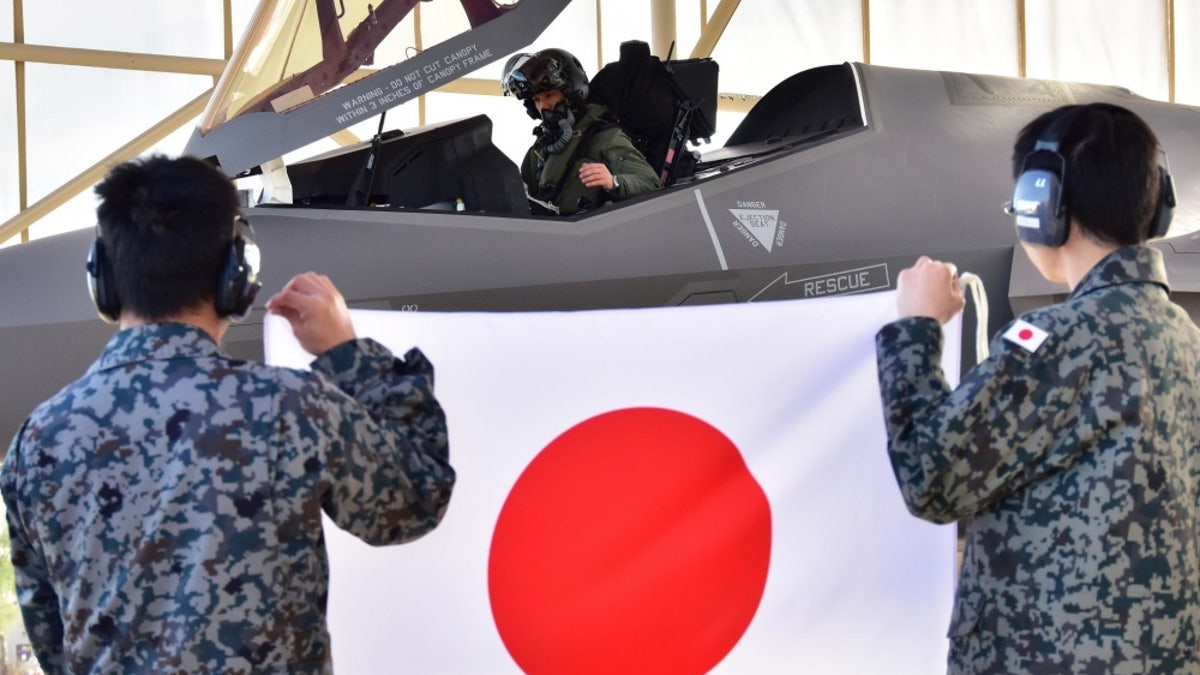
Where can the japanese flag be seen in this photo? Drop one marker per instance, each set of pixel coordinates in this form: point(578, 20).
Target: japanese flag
point(670, 490)
point(1025, 334)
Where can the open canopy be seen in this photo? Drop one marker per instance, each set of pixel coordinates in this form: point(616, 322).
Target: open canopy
point(308, 68)
point(296, 50)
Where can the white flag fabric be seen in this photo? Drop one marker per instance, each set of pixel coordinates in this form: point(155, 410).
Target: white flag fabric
point(668, 490)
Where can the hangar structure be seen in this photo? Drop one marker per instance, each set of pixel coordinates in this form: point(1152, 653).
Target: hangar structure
point(827, 172)
point(844, 140)
point(81, 99)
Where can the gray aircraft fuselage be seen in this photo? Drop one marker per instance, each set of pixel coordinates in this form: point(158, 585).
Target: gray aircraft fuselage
point(909, 163)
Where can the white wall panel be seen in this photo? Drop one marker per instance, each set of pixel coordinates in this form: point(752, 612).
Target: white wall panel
point(573, 30)
point(1120, 42)
point(176, 28)
point(972, 37)
point(768, 40)
point(1187, 51)
point(621, 20)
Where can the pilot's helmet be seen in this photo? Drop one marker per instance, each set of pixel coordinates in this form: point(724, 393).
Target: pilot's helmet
point(513, 81)
point(529, 74)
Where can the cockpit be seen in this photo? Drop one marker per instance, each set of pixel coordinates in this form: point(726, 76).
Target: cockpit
point(307, 69)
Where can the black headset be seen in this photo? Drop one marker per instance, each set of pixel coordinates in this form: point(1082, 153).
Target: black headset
point(236, 288)
point(1038, 204)
point(100, 283)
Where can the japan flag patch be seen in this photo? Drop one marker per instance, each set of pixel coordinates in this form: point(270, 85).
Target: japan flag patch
point(1026, 335)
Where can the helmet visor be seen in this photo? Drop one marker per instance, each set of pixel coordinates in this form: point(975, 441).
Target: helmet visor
point(533, 75)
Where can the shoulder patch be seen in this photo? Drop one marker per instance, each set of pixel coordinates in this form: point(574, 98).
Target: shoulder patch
point(1027, 335)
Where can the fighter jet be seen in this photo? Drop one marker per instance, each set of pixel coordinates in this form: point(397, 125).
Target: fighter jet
point(839, 177)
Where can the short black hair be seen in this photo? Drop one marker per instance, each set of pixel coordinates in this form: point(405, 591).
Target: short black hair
point(167, 224)
point(1112, 184)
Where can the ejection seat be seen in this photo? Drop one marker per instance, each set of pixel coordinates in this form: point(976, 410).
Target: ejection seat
point(661, 105)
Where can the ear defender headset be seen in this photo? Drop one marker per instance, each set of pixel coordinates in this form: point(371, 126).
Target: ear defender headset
point(239, 279)
point(1038, 204)
point(100, 283)
point(236, 288)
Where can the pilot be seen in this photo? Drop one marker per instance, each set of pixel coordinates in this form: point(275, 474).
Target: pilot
point(581, 158)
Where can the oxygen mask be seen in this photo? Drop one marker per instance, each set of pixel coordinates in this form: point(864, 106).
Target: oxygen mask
point(556, 129)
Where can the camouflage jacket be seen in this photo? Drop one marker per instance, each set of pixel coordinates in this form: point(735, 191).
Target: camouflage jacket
point(1075, 464)
point(608, 145)
point(165, 509)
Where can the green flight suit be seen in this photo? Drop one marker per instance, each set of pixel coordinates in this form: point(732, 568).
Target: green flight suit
point(554, 178)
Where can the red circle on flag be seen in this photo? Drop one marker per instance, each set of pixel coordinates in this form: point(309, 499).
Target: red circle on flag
point(1025, 334)
point(635, 542)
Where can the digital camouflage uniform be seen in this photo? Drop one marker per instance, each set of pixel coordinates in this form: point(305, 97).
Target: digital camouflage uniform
point(165, 509)
point(607, 145)
point(1076, 467)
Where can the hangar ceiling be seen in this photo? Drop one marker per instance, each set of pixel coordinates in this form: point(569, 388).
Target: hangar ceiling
point(93, 84)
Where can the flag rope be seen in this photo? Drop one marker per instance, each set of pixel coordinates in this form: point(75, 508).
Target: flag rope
point(974, 285)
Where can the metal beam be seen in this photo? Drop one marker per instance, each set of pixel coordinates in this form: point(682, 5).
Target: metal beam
point(1021, 38)
point(227, 29)
point(866, 30)
point(345, 137)
point(472, 85)
point(1170, 21)
point(418, 43)
point(92, 174)
point(662, 27)
point(68, 56)
point(19, 74)
point(599, 36)
point(728, 101)
point(715, 28)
